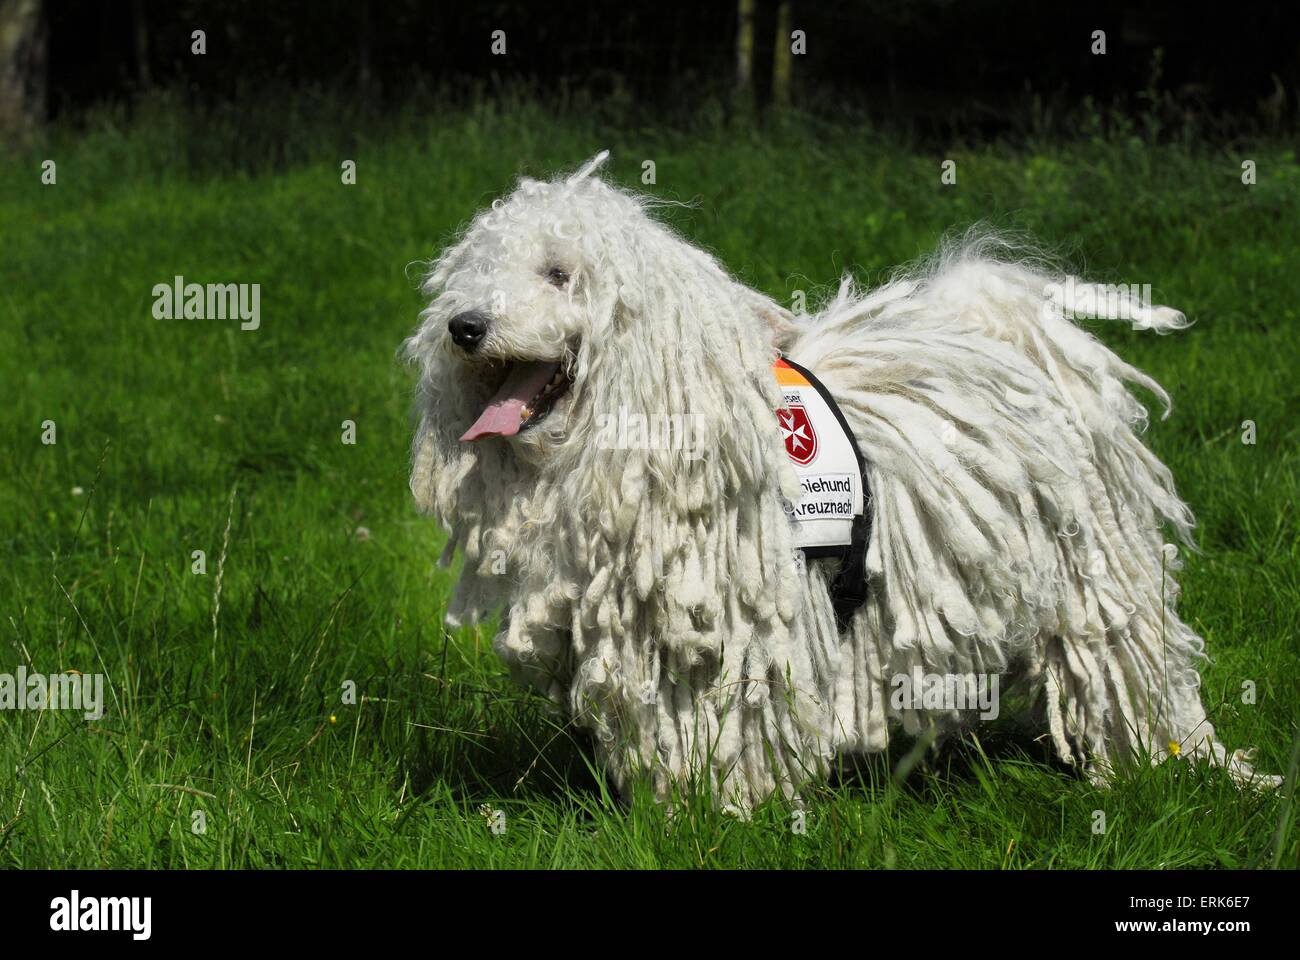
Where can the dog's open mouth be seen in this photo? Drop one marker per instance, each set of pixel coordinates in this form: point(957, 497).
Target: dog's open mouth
point(528, 393)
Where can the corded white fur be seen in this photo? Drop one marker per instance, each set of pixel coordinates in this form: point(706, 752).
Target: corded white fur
point(1016, 515)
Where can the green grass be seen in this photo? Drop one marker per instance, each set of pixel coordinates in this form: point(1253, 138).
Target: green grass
point(188, 435)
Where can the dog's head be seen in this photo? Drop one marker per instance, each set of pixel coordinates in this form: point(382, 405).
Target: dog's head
point(580, 359)
point(566, 282)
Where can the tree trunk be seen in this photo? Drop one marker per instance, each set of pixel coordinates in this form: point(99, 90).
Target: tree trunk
point(782, 58)
point(140, 38)
point(745, 48)
point(22, 68)
point(365, 80)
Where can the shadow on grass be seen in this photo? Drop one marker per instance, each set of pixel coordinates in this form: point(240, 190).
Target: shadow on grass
point(482, 743)
point(920, 767)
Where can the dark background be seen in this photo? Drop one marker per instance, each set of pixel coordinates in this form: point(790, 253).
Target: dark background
point(937, 67)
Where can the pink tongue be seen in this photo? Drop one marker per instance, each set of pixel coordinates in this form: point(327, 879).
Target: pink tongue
point(505, 413)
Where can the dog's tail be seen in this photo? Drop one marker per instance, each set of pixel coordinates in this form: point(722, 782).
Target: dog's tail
point(1016, 512)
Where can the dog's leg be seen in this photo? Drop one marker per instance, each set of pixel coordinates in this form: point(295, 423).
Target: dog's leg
point(1125, 700)
point(741, 734)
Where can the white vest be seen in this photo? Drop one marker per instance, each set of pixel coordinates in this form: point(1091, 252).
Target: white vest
point(824, 456)
point(830, 519)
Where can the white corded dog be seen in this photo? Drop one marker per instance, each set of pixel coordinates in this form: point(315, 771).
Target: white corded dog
point(655, 587)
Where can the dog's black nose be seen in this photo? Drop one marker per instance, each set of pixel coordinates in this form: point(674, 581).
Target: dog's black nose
point(468, 329)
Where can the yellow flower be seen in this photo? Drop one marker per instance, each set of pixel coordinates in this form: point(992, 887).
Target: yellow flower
point(333, 719)
point(1175, 748)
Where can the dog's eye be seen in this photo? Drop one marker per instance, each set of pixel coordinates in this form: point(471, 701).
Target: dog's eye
point(557, 275)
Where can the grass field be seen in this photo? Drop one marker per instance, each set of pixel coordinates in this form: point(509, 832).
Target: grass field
point(224, 689)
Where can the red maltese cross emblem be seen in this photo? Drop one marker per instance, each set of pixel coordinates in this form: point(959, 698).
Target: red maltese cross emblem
point(797, 431)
